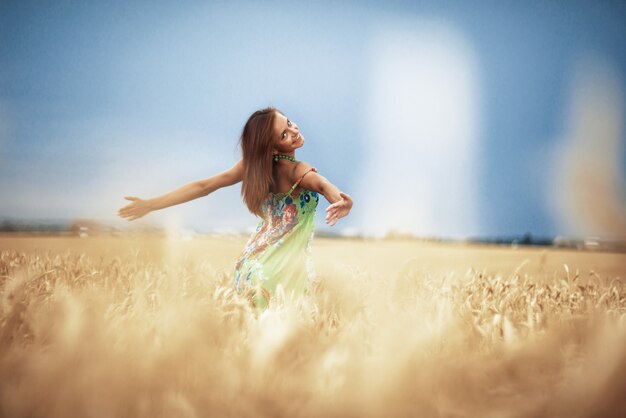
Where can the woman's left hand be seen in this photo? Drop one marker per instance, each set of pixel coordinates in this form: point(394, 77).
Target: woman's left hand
point(338, 209)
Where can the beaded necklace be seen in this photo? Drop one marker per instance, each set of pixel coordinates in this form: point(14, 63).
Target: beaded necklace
point(279, 156)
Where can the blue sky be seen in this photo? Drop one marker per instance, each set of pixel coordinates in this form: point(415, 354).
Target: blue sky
point(451, 119)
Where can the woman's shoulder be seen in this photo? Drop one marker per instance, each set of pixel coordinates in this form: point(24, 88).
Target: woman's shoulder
point(301, 168)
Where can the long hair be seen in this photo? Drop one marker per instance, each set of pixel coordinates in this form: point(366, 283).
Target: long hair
point(256, 146)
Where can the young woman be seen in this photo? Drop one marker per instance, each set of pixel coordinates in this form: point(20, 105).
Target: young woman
point(282, 191)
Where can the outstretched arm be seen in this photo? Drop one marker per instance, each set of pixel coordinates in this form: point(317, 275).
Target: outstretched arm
point(341, 203)
point(189, 191)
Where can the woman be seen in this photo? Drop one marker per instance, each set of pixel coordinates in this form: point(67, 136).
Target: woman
point(282, 191)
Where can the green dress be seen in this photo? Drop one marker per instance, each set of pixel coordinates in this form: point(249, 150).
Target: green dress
point(279, 250)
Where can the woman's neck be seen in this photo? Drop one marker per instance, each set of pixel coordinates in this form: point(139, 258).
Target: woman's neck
point(287, 157)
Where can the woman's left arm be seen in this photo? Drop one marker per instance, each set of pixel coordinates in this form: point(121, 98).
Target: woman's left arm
point(140, 207)
point(226, 178)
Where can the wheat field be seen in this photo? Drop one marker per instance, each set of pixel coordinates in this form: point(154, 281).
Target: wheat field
point(151, 327)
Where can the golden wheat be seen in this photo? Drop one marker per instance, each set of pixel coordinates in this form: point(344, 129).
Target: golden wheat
point(81, 336)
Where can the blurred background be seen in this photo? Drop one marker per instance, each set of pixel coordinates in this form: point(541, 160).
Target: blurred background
point(440, 119)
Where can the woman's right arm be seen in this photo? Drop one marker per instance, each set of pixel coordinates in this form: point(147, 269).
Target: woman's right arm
point(183, 194)
point(341, 203)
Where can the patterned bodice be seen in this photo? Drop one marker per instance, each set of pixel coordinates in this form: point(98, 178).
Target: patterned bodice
point(287, 218)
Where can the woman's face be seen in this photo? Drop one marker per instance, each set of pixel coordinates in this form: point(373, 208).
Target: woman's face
point(286, 135)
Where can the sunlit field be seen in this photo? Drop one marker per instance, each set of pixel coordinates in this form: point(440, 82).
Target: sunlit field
point(150, 327)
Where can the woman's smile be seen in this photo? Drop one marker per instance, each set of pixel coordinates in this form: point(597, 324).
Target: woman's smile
point(287, 135)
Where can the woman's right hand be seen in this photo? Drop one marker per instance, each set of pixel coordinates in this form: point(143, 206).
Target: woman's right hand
point(338, 209)
point(135, 210)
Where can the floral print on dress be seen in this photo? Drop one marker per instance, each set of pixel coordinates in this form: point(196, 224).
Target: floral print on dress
point(284, 215)
point(290, 214)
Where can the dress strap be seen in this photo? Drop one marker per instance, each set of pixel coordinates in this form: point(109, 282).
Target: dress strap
point(300, 179)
